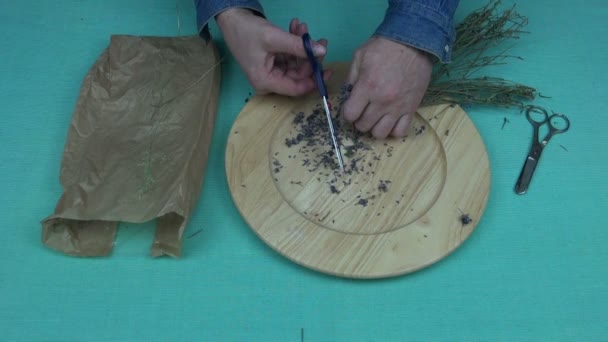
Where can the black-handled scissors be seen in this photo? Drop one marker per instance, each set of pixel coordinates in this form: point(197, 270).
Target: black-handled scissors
point(317, 71)
point(537, 146)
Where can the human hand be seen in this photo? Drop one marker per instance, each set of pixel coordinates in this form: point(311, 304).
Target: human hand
point(273, 60)
point(389, 80)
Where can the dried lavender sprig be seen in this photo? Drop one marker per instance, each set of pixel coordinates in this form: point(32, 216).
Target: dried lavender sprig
point(475, 36)
point(481, 90)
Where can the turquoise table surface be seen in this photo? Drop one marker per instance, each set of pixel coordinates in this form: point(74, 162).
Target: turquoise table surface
point(536, 267)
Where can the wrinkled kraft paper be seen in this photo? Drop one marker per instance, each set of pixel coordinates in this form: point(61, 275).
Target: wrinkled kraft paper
point(137, 144)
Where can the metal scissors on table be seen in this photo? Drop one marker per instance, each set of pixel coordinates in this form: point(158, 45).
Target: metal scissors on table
point(537, 146)
point(317, 70)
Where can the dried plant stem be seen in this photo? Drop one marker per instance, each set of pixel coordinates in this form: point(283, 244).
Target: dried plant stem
point(482, 30)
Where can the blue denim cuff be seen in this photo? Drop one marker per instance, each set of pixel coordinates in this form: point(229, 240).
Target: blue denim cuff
point(207, 9)
point(425, 25)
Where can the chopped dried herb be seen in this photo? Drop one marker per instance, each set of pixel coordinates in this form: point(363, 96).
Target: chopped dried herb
point(383, 186)
point(420, 130)
point(504, 122)
point(345, 91)
point(309, 136)
point(389, 151)
point(195, 234)
point(465, 219)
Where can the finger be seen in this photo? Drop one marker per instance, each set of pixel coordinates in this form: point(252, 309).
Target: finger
point(278, 82)
point(302, 28)
point(323, 42)
point(353, 73)
point(304, 68)
point(291, 62)
point(368, 119)
point(280, 62)
point(402, 125)
point(357, 100)
point(298, 30)
point(305, 89)
point(355, 105)
point(384, 126)
point(294, 28)
point(327, 74)
point(279, 41)
point(293, 25)
point(294, 74)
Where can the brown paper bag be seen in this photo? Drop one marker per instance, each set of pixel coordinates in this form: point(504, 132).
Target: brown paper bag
point(137, 145)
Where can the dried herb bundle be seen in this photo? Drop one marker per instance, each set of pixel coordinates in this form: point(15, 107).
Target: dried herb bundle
point(480, 32)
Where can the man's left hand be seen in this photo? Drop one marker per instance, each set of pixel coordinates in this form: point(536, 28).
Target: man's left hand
point(389, 80)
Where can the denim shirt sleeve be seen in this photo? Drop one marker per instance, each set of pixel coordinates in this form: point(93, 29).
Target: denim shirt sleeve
point(207, 9)
point(427, 25)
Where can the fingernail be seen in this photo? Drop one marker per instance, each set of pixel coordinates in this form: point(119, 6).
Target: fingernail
point(319, 49)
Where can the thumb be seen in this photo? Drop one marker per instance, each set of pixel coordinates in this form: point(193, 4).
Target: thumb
point(353, 73)
point(355, 98)
point(280, 41)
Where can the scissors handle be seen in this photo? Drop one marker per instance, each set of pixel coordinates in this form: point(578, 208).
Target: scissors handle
point(316, 67)
point(536, 109)
point(553, 129)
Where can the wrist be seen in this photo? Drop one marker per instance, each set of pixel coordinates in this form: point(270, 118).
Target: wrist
point(413, 49)
point(231, 15)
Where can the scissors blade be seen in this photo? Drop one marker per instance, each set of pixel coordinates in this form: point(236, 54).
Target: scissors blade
point(523, 182)
point(318, 76)
point(333, 135)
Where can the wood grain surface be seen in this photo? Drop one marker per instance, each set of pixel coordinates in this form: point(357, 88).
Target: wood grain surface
point(397, 209)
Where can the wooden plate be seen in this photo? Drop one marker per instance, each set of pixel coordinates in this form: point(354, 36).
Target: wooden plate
point(399, 209)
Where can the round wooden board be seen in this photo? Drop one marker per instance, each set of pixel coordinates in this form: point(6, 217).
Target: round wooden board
point(399, 209)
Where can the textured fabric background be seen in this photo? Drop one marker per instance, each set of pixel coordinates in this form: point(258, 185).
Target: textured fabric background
point(536, 268)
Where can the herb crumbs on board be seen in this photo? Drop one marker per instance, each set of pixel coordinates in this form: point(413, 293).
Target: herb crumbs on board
point(310, 138)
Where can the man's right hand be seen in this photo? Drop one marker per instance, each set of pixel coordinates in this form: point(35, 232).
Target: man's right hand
point(273, 60)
